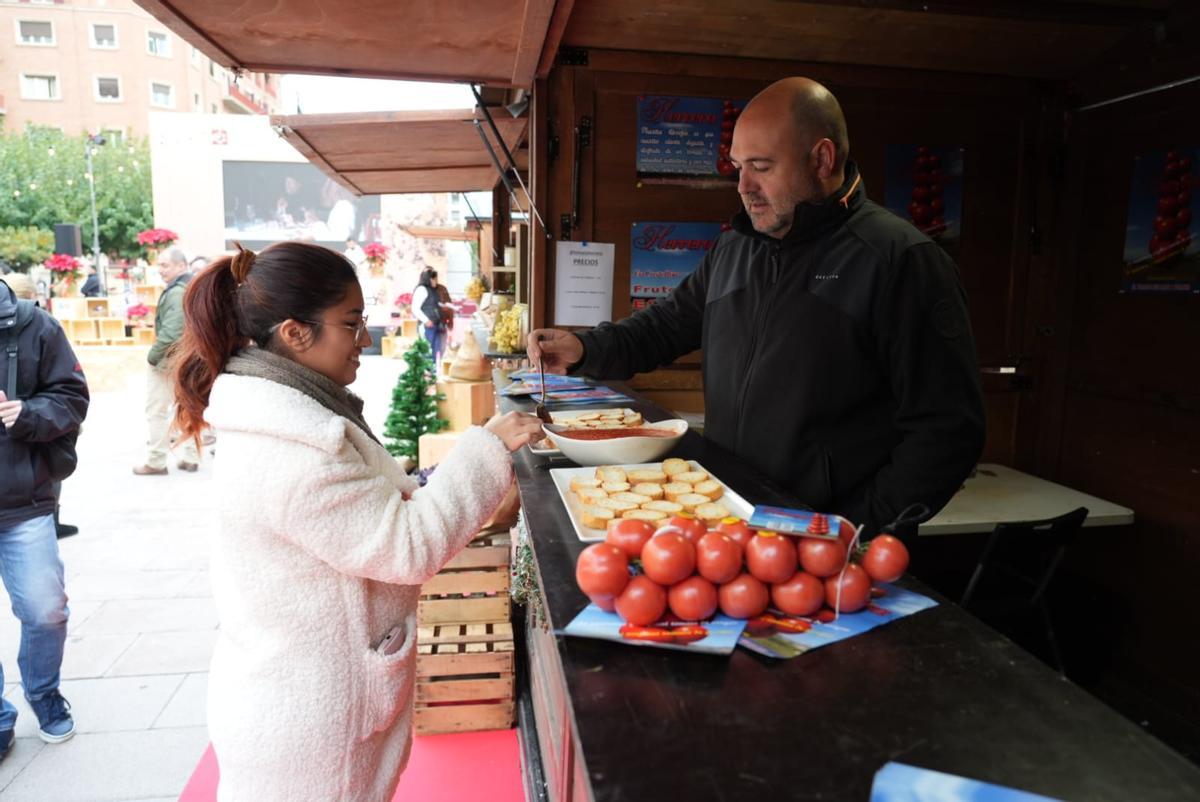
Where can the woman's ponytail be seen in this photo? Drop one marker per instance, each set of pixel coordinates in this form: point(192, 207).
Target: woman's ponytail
point(210, 337)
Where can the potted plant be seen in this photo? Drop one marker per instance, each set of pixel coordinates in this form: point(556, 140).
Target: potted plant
point(155, 240)
point(65, 269)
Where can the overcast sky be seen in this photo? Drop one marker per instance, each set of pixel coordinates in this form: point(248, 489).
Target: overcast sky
point(319, 94)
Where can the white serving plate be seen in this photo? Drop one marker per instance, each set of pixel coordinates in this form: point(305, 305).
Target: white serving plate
point(565, 416)
point(562, 481)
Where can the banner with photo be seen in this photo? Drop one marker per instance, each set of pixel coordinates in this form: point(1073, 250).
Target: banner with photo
point(1161, 255)
point(664, 254)
point(925, 187)
point(686, 140)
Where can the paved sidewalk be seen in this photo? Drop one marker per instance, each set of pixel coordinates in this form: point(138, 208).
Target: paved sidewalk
point(142, 620)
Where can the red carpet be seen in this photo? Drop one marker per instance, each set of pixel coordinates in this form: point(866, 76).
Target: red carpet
point(442, 768)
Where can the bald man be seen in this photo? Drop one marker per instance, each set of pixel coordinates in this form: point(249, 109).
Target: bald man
point(837, 351)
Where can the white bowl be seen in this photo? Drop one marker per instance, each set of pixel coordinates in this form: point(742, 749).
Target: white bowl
point(618, 450)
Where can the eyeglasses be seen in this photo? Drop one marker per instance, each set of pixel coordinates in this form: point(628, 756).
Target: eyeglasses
point(359, 328)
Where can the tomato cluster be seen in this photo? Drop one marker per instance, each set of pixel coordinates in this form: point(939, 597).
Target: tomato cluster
point(729, 115)
point(1174, 213)
point(927, 207)
point(693, 571)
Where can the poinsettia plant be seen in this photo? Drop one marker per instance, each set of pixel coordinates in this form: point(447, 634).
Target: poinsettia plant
point(137, 311)
point(376, 253)
point(157, 238)
point(63, 263)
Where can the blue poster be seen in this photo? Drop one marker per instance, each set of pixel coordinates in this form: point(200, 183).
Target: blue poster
point(924, 186)
point(664, 254)
point(1161, 255)
point(686, 139)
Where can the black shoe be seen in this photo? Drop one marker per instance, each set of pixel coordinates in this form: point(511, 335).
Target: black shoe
point(65, 530)
point(6, 742)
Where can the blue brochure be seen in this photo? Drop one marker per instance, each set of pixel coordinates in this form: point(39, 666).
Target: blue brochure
point(899, 782)
point(716, 636)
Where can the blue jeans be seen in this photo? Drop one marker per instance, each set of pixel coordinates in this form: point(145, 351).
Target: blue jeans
point(436, 337)
point(33, 576)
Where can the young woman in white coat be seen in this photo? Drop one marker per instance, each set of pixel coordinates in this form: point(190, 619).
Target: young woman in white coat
point(323, 540)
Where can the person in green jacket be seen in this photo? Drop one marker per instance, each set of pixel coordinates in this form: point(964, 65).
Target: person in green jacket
point(160, 390)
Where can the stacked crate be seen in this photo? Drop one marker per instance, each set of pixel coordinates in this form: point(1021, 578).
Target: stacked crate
point(465, 658)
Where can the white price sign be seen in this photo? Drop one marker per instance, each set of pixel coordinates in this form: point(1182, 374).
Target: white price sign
point(583, 285)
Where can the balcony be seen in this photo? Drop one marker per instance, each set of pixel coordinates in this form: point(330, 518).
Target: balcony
point(238, 101)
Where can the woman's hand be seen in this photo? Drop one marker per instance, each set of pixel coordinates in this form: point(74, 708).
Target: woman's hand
point(515, 429)
point(429, 324)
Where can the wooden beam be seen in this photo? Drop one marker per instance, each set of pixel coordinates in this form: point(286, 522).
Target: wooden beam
point(534, 23)
point(431, 232)
point(1060, 11)
point(554, 34)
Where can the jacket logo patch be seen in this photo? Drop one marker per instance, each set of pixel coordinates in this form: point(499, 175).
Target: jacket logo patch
point(946, 321)
point(824, 276)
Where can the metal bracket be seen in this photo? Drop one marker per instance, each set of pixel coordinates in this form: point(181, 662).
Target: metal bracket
point(572, 57)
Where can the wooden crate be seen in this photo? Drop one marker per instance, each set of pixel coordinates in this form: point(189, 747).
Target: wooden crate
point(466, 403)
point(111, 328)
point(465, 596)
point(395, 347)
point(464, 678)
point(97, 307)
point(80, 329)
point(143, 336)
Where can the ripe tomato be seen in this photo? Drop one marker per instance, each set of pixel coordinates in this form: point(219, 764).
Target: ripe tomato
point(856, 590)
point(718, 557)
point(687, 525)
point(602, 570)
point(822, 558)
point(737, 529)
point(604, 601)
point(629, 535)
point(771, 557)
point(886, 559)
point(693, 599)
point(642, 602)
point(744, 597)
point(668, 557)
point(803, 594)
point(846, 531)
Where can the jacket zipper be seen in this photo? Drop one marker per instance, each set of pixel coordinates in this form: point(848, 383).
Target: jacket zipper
point(761, 314)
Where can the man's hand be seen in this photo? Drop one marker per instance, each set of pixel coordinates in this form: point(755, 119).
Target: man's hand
point(9, 410)
point(558, 349)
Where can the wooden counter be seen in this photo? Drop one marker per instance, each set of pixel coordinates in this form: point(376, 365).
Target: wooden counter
point(938, 690)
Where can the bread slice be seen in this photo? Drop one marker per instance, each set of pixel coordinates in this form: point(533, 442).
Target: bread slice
point(594, 517)
point(578, 483)
point(632, 498)
point(690, 501)
point(607, 473)
point(653, 516)
point(586, 416)
point(675, 466)
point(632, 420)
point(669, 507)
point(712, 513)
point(615, 414)
point(588, 495)
point(617, 506)
point(673, 490)
point(649, 489)
point(647, 475)
point(691, 477)
point(614, 487)
point(709, 487)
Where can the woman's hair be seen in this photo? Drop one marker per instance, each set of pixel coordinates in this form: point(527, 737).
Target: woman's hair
point(242, 299)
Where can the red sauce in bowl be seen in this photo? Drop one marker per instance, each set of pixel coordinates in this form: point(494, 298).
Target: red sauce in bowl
point(613, 434)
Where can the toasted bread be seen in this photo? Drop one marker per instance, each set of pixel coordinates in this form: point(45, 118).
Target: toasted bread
point(594, 517)
point(652, 516)
point(647, 475)
point(615, 505)
point(588, 495)
point(669, 507)
point(690, 501)
point(587, 416)
point(578, 483)
point(614, 487)
point(632, 420)
point(648, 489)
point(607, 473)
point(709, 487)
point(632, 498)
point(712, 513)
point(675, 466)
point(691, 477)
point(672, 490)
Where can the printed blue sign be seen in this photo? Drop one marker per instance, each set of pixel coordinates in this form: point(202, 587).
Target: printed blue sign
point(686, 139)
point(664, 254)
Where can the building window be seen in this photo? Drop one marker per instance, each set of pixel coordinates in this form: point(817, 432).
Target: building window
point(39, 87)
point(104, 36)
point(196, 104)
point(115, 136)
point(38, 33)
point(162, 95)
point(108, 90)
point(214, 108)
point(158, 44)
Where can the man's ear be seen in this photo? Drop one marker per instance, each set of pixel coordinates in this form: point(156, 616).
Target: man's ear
point(825, 154)
point(297, 336)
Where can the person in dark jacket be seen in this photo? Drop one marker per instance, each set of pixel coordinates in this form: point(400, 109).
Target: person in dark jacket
point(92, 288)
point(838, 357)
point(160, 385)
point(41, 406)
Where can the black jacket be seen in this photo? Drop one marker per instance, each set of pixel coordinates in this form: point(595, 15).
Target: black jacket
point(838, 361)
point(50, 383)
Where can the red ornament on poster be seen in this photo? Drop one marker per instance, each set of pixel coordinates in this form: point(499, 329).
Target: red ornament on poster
point(1172, 225)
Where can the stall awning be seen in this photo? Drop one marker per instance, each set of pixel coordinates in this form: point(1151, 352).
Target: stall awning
point(497, 42)
point(398, 152)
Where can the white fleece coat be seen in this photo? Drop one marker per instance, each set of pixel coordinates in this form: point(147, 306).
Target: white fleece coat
point(317, 556)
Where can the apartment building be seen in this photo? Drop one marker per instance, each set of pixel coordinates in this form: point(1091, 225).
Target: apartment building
point(104, 65)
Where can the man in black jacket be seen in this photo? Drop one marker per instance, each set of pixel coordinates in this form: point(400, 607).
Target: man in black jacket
point(43, 400)
point(837, 351)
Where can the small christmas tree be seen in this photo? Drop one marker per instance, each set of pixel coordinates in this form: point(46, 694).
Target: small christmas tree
point(414, 407)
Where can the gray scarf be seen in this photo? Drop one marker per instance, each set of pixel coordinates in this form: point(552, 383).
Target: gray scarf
point(262, 364)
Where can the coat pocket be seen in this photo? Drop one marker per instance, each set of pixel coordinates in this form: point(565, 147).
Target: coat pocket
point(389, 684)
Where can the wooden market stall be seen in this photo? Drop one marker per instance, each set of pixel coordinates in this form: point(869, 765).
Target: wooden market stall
point(1090, 380)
